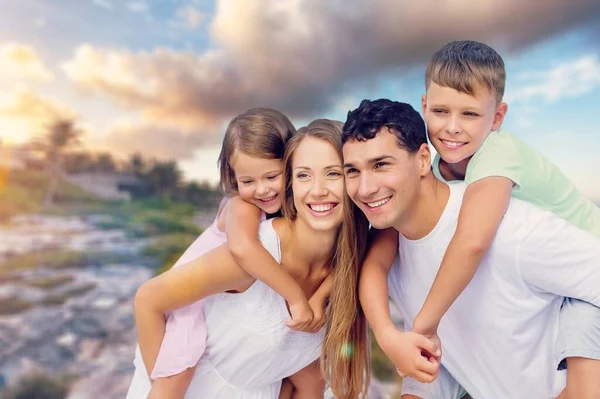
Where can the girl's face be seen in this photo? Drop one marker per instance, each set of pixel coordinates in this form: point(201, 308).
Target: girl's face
point(259, 180)
point(318, 184)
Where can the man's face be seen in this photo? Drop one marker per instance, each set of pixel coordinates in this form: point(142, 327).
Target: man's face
point(382, 178)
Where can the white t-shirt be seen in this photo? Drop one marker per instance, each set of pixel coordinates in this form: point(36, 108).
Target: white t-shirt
point(498, 338)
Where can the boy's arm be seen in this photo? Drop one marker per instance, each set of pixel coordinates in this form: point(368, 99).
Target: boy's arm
point(373, 284)
point(214, 272)
point(242, 224)
point(484, 205)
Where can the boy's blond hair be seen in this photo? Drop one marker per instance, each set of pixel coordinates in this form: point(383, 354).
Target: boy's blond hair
point(467, 66)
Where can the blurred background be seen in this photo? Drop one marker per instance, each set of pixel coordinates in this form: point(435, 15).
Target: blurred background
point(111, 119)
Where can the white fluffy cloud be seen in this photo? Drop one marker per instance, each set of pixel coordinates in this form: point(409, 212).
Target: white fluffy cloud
point(300, 55)
point(37, 110)
point(21, 62)
point(569, 79)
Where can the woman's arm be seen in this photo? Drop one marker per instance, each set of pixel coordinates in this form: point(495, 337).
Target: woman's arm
point(243, 221)
point(308, 383)
point(214, 272)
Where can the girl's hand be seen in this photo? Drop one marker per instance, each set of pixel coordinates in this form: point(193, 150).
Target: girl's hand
point(317, 305)
point(302, 316)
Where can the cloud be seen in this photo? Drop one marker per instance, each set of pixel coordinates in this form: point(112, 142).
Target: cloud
point(103, 3)
point(154, 140)
point(35, 109)
point(569, 79)
point(39, 22)
point(138, 6)
point(191, 17)
point(21, 62)
point(300, 56)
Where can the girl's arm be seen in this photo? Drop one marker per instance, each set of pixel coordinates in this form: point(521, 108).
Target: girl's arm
point(308, 383)
point(317, 303)
point(483, 207)
point(242, 224)
point(214, 272)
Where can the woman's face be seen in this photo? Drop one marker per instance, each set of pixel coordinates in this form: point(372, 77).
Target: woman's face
point(318, 184)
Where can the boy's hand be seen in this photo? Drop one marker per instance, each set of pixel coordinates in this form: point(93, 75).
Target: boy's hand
point(413, 355)
point(302, 316)
point(428, 331)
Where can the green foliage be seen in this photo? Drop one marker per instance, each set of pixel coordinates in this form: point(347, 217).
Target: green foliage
point(11, 305)
point(53, 258)
point(60, 259)
point(59, 299)
point(49, 282)
point(382, 367)
point(39, 386)
point(167, 249)
point(23, 191)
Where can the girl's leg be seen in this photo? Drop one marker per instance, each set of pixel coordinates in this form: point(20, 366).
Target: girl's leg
point(286, 389)
point(173, 387)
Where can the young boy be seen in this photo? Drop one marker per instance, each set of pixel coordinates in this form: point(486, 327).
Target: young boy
point(463, 110)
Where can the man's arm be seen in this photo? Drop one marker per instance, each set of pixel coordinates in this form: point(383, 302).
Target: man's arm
point(373, 286)
point(403, 348)
point(484, 204)
point(561, 259)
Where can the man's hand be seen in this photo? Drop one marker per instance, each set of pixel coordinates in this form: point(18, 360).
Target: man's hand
point(413, 355)
point(302, 316)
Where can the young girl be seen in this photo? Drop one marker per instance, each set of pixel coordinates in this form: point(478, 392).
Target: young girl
point(251, 177)
point(249, 351)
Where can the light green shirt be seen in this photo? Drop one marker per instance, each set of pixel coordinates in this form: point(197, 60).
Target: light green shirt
point(537, 180)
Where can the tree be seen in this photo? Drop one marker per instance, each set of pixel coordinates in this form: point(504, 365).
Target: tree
point(164, 179)
point(137, 165)
point(105, 163)
point(60, 136)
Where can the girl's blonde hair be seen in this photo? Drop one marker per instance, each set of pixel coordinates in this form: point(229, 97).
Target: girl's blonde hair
point(345, 358)
point(259, 132)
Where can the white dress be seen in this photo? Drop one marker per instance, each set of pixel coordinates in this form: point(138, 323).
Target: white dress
point(248, 350)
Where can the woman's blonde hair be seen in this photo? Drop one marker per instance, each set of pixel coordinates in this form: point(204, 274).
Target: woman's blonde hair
point(345, 358)
point(259, 132)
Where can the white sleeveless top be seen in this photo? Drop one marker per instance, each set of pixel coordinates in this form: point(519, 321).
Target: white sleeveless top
point(248, 350)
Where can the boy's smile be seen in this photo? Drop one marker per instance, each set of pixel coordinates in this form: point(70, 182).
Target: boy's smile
point(458, 123)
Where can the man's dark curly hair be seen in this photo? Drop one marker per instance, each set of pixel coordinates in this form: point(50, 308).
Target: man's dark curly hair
point(366, 121)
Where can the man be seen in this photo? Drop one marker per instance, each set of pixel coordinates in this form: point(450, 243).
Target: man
point(500, 335)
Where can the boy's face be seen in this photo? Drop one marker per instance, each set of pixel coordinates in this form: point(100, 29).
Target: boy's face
point(458, 123)
point(383, 179)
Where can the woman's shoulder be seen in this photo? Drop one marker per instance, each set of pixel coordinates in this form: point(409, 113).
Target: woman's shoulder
point(269, 235)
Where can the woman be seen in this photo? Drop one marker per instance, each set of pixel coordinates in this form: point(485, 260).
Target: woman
point(249, 350)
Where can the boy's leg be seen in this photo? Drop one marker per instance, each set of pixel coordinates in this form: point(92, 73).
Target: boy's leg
point(173, 387)
point(579, 348)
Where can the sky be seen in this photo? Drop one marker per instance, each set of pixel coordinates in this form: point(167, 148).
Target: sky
point(164, 77)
